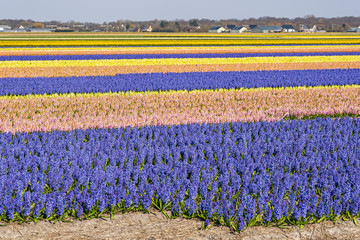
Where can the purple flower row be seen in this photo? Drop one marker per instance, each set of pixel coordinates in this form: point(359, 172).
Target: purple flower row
point(179, 81)
point(152, 56)
point(226, 172)
point(234, 172)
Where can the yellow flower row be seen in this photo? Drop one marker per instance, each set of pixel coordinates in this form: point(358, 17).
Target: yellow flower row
point(177, 61)
point(127, 49)
point(171, 35)
point(169, 92)
point(176, 42)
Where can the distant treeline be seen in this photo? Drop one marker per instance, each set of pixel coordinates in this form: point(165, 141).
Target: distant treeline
point(336, 24)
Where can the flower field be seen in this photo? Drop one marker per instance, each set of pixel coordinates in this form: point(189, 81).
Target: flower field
point(177, 41)
point(238, 130)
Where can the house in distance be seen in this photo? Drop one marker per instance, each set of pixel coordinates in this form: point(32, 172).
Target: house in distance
point(307, 28)
point(230, 27)
point(354, 30)
point(266, 29)
point(288, 28)
point(217, 29)
point(239, 29)
point(5, 28)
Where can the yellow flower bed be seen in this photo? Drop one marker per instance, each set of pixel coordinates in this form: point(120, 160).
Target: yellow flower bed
point(176, 61)
point(177, 42)
point(136, 49)
point(160, 93)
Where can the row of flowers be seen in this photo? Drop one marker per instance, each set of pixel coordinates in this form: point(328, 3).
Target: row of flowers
point(179, 81)
point(178, 61)
point(175, 42)
point(104, 110)
point(71, 71)
point(174, 56)
point(74, 36)
point(95, 146)
point(175, 50)
point(238, 174)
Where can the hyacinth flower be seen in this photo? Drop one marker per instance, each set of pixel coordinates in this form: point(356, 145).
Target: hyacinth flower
point(142, 82)
point(114, 110)
point(237, 174)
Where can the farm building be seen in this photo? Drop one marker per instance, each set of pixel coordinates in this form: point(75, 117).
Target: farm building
point(65, 27)
point(21, 28)
point(40, 30)
point(239, 29)
point(252, 26)
point(191, 28)
point(217, 29)
point(230, 27)
point(5, 28)
point(148, 29)
point(307, 28)
point(288, 28)
point(78, 27)
point(52, 26)
point(267, 29)
point(354, 30)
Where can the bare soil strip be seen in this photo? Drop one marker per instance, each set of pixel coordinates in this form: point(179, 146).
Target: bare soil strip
point(138, 225)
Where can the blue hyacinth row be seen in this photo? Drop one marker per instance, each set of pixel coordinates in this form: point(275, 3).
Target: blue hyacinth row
point(237, 174)
point(155, 56)
point(179, 81)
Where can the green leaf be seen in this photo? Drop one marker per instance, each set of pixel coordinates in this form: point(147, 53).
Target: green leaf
point(166, 215)
point(283, 227)
point(232, 225)
point(281, 221)
point(321, 219)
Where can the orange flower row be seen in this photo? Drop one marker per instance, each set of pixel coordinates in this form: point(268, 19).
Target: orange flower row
point(113, 70)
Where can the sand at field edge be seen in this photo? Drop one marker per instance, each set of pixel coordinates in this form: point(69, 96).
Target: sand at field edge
point(138, 225)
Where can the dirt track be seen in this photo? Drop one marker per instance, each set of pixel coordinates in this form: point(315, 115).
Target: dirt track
point(156, 226)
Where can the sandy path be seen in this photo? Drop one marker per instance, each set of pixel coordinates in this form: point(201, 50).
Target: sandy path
point(156, 226)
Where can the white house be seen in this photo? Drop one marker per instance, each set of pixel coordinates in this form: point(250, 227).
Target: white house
point(238, 29)
point(288, 28)
point(149, 29)
point(20, 29)
point(217, 29)
point(307, 28)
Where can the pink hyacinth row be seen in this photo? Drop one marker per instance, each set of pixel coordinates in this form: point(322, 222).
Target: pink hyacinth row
point(68, 112)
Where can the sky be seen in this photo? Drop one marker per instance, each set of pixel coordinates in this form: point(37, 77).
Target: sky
point(100, 11)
